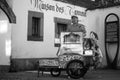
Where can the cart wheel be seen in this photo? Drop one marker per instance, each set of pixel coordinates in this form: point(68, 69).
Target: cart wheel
point(75, 69)
point(55, 72)
point(84, 70)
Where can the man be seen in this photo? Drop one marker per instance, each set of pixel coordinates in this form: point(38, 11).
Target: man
point(76, 27)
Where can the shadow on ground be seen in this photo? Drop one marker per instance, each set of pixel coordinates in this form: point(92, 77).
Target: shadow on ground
point(90, 75)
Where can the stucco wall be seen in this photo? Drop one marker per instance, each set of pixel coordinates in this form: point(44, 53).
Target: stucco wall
point(97, 24)
point(21, 48)
point(5, 39)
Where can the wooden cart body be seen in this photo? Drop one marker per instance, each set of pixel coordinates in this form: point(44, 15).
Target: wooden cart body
point(71, 50)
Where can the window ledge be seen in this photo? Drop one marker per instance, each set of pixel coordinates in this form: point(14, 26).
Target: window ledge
point(34, 38)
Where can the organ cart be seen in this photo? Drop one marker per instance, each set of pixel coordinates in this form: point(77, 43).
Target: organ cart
point(73, 57)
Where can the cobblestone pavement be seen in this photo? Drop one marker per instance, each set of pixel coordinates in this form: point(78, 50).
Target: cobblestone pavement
point(90, 75)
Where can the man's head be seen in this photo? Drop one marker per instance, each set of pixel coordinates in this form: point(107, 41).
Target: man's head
point(74, 19)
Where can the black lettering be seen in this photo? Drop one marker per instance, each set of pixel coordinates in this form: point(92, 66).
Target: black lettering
point(76, 12)
point(70, 10)
point(43, 6)
point(36, 3)
point(40, 5)
point(59, 9)
point(31, 1)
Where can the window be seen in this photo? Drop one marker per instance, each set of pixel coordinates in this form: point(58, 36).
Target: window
point(60, 26)
point(35, 26)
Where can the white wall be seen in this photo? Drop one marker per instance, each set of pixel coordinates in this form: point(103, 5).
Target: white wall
point(5, 39)
point(96, 19)
point(21, 48)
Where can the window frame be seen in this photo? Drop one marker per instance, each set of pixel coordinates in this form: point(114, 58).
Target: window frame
point(61, 21)
point(31, 15)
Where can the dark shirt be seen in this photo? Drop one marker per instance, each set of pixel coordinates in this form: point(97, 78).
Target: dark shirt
point(77, 28)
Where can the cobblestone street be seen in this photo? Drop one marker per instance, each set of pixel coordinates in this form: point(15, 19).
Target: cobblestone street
point(91, 75)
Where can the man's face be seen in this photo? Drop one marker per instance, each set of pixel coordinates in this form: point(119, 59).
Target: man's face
point(74, 20)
